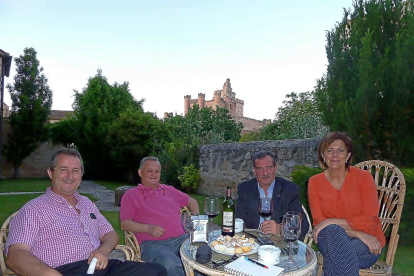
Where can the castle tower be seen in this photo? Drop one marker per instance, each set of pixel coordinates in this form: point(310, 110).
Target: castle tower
point(187, 99)
point(227, 89)
point(201, 100)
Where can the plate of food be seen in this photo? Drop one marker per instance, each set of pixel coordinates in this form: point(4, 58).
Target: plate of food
point(239, 245)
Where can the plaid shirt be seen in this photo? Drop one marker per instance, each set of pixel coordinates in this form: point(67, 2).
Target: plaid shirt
point(55, 231)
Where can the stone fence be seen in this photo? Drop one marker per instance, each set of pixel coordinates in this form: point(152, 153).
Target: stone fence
point(229, 164)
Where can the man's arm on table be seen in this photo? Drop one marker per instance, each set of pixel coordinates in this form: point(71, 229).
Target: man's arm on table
point(22, 262)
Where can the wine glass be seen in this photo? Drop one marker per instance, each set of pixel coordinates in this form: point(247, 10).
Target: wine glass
point(291, 227)
point(265, 209)
point(190, 222)
point(211, 209)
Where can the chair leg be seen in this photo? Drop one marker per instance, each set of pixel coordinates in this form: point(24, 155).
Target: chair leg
point(320, 268)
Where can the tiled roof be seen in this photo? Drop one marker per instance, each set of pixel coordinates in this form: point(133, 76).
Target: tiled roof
point(57, 115)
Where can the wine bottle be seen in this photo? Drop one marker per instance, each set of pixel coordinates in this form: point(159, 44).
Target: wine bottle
point(227, 228)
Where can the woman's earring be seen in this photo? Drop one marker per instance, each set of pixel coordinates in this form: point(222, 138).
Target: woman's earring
point(323, 159)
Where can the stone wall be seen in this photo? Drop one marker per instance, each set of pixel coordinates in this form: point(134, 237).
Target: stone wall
point(229, 164)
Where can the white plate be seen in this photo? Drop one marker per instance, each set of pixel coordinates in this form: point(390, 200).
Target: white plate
point(256, 245)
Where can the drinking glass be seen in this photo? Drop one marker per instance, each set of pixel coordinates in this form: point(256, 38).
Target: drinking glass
point(190, 222)
point(211, 209)
point(265, 209)
point(291, 225)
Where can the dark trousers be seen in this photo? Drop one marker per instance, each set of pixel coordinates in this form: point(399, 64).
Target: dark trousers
point(343, 255)
point(114, 268)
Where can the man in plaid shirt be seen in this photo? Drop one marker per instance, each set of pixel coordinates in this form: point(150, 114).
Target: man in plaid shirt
point(59, 232)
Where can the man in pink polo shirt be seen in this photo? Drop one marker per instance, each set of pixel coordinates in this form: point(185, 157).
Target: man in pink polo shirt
point(59, 232)
point(152, 212)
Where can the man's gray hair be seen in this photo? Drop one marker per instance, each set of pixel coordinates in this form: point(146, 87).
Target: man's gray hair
point(149, 158)
point(67, 151)
point(263, 154)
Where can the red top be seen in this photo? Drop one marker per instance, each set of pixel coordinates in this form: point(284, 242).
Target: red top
point(356, 201)
point(160, 206)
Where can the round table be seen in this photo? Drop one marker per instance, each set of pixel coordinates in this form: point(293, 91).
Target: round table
point(303, 254)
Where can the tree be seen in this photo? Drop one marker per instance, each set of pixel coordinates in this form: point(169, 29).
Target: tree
point(96, 108)
point(133, 136)
point(206, 125)
point(298, 118)
point(199, 127)
point(368, 88)
point(31, 103)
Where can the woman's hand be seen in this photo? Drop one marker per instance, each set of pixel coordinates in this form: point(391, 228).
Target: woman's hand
point(371, 241)
point(318, 228)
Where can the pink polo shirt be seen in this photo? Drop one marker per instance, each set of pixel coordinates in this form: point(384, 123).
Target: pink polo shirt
point(55, 231)
point(156, 207)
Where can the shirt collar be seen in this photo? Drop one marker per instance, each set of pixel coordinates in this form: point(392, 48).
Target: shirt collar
point(57, 198)
point(269, 190)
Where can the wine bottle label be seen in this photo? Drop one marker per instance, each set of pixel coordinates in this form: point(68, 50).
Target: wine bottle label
point(227, 218)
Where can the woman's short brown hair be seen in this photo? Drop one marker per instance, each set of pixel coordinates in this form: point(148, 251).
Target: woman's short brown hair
point(327, 140)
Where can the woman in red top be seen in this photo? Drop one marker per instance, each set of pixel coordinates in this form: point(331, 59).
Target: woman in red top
point(344, 205)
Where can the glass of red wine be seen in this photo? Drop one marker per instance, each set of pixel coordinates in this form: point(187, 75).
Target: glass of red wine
point(265, 209)
point(291, 227)
point(211, 209)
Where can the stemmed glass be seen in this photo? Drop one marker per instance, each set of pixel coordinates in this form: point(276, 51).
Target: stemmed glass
point(211, 209)
point(190, 222)
point(291, 226)
point(265, 209)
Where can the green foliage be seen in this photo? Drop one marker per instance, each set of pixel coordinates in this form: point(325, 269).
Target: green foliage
point(369, 82)
point(299, 118)
point(174, 156)
point(406, 229)
point(31, 103)
point(205, 125)
point(300, 176)
point(250, 137)
point(97, 109)
point(190, 178)
point(132, 137)
point(197, 128)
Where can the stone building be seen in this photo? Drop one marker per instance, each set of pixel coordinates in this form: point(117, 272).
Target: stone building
point(226, 98)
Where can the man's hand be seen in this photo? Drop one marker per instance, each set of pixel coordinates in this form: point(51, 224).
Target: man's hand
point(270, 227)
point(102, 256)
point(155, 230)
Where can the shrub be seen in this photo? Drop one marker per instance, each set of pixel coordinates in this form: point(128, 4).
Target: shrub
point(190, 178)
point(300, 176)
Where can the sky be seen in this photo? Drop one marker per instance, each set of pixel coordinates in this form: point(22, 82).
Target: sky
point(166, 49)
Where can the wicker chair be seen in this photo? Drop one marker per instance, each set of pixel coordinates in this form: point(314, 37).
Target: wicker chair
point(129, 253)
point(132, 242)
point(391, 192)
point(308, 237)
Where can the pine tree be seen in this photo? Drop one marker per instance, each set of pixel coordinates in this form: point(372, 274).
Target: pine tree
point(31, 103)
point(368, 89)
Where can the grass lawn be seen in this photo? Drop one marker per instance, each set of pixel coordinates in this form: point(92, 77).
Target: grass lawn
point(112, 185)
point(24, 185)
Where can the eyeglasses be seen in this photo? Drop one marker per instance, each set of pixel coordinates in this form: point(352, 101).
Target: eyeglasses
point(339, 151)
point(143, 193)
point(262, 170)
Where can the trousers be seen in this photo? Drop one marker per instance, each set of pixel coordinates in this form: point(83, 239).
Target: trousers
point(343, 255)
point(114, 268)
point(166, 253)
